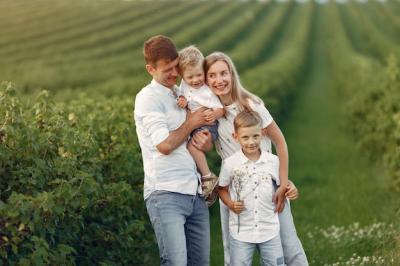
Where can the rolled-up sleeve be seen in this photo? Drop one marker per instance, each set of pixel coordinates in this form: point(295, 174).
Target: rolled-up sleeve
point(156, 126)
point(152, 118)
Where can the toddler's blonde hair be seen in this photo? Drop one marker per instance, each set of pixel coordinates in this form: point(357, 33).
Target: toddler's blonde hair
point(190, 56)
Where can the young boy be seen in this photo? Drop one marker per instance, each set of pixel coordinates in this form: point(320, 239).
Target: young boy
point(195, 94)
point(246, 187)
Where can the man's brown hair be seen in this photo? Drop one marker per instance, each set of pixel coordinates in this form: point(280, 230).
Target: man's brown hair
point(246, 119)
point(159, 47)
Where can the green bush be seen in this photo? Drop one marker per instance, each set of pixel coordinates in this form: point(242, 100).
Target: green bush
point(71, 183)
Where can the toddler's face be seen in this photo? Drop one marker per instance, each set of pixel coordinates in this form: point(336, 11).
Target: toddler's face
point(250, 139)
point(194, 76)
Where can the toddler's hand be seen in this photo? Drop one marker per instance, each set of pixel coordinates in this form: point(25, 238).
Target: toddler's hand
point(181, 101)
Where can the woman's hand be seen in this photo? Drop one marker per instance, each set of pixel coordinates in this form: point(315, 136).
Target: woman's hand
point(291, 191)
point(210, 116)
point(279, 199)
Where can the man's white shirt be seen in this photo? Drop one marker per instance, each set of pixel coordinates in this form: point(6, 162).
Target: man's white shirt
point(156, 114)
point(258, 221)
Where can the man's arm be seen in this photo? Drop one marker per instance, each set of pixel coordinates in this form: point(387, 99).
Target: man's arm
point(180, 135)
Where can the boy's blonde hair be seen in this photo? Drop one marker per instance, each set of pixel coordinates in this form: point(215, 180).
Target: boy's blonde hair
point(189, 57)
point(246, 119)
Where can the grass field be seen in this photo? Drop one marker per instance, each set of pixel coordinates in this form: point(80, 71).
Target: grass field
point(309, 62)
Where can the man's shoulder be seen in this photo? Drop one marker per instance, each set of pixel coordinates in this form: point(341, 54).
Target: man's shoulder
point(148, 90)
point(147, 100)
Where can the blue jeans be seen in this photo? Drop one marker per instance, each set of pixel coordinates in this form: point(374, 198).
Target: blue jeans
point(292, 248)
point(182, 228)
point(271, 252)
point(291, 244)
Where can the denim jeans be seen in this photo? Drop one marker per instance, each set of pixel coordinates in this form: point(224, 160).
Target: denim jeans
point(182, 228)
point(271, 253)
point(292, 248)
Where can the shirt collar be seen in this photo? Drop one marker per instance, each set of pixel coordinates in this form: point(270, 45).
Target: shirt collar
point(165, 90)
point(263, 157)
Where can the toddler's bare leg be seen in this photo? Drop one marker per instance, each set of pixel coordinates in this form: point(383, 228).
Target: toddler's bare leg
point(200, 159)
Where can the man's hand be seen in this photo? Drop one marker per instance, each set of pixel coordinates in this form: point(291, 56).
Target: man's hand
point(182, 102)
point(197, 119)
point(291, 191)
point(202, 140)
point(279, 199)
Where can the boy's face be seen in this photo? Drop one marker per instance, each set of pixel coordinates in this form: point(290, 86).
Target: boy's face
point(249, 139)
point(164, 72)
point(194, 76)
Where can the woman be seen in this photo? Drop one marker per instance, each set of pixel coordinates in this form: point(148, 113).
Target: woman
point(222, 78)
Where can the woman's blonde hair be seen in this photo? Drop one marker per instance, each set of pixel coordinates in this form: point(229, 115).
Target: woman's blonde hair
point(238, 93)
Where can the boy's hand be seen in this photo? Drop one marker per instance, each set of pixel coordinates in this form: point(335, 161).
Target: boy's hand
point(279, 199)
point(181, 101)
point(237, 206)
point(291, 191)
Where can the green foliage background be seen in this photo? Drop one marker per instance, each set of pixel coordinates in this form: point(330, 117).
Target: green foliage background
point(71, 175)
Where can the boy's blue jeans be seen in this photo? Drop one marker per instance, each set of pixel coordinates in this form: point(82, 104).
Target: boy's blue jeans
point(292, 248)
point(182, 228)
point(271, 253)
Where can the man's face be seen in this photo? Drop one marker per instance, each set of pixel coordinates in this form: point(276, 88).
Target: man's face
point(164, 72)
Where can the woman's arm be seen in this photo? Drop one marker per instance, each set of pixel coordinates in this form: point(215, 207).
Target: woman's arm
point(275, 134)
point(218, 113)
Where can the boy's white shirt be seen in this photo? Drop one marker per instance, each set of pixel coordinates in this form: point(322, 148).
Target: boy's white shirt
point(258, 221)
point(197, 98)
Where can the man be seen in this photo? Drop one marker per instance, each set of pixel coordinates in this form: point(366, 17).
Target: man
point(178, 214)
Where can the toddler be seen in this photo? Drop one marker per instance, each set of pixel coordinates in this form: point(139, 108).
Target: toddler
point(195, 94)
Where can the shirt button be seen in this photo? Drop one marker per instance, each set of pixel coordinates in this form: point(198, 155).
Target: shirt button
point(255, 211)
point(255, 197)
point(256, 225)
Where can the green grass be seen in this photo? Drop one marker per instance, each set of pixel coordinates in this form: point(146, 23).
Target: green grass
point(338, 186)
